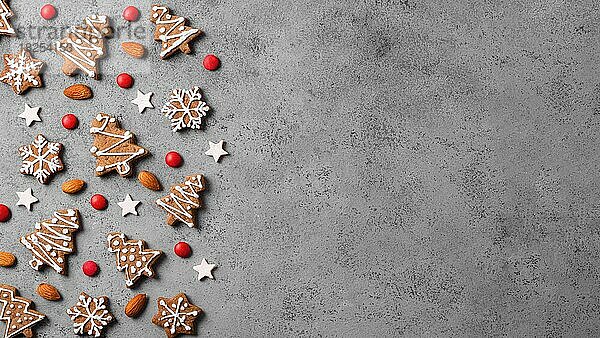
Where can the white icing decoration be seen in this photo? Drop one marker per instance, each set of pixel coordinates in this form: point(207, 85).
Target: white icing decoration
point(40, 166)
point(182, 115)
point(8, 300)
point(22, 68)
point(116, 242)
point(78, 51)
point(185, 197)
point(163, 18)
point(45, 245)
point(97, 318)
point(5, 13)
point(123, 167)
point(176, 317)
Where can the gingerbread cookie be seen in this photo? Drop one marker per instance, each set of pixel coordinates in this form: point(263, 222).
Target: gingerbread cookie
point(90, 315)
point(176, 315)
point(17, 312)
point(41, 159)
point(84, 45)
point(132, 257)
point(183, 200)
point(113, 146)
point(185, 109)
point(21, 71)
point(53, 240)
point(171, 31)
point(6, 27)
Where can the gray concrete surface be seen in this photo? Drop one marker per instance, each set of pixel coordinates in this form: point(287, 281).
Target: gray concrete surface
point(418, 168)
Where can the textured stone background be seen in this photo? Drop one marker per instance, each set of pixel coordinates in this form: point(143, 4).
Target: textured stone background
point(397, 167)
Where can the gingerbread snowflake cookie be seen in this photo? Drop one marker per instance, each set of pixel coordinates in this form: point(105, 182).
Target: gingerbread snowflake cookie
point(41, 159)
point(84, 45)
point(176, 315)
point(114, 147)
point(185, 109)
point(21, 71)
point(90, 315)
point(171, 31)
point(52, 240)
point(132, 257)
point(17, 313)
point(183, 199)
point(6, 27)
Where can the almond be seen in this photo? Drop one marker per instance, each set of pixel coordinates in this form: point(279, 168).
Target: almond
point(7, 259)
point(134, 49)
point(73, 186)
point(78, 92)
point(136, 305)
point(48, 292)
point(148, 180)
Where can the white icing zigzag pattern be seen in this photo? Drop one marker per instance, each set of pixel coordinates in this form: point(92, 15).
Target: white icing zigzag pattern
point(5, 13)
point(177, 24)
point(11, 304)
point(186, 199)
point(52, 240)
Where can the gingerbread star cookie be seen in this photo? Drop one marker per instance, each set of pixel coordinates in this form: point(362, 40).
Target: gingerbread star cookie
point(41, 159)
point(132, 257)
point(90, 315)
point(184, 198)
point(84, 45)
point(17, 313)
point(6, 27)
point(52, 240)
point(21, 71)
point(176, 315)
point(171, 31)
point(114, 147)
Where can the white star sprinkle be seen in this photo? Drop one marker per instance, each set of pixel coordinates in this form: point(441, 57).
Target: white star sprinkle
point(30, 114)
point(128, 206)
point(204, 269)
point(143, 101)
point(216, 150)
point(26, 198)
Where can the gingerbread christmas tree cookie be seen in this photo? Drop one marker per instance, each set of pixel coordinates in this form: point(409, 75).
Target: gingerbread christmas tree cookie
point(6, 27)
point(53, 240)
point(21, 71)
point(132, 257)
point(183, 200)
point(171, 31)
point(176, 315)
point(84, 45)
point(41, 159)
point(114, 147)
point(17, 313)
point(90, 315)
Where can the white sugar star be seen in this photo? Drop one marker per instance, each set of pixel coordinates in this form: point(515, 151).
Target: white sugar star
point(204, 269)
point(26, 198)
point(216, 150)
point(128, 206)
point(143, 101)
point(30, 114)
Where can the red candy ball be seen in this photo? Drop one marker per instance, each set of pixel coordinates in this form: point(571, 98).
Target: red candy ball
point(183, 250)
point(99, 202)
point(211, 62)
point(173, 159)
point(90, 268)
point(131, 13)
point(124, 80)
point(4, 213)
point(48, 12)
point(70, 121)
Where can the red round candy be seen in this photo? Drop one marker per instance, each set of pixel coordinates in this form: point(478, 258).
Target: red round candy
point(211, 62)
point(173, 159)
point(124, 80)
point(99, 202)
point(90, 268)
point(183, 250)
point(131, 13)
point(70, 121)
point(48, 12)
point(4, 213)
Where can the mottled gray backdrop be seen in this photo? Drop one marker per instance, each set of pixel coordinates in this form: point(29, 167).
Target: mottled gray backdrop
point(397, 167)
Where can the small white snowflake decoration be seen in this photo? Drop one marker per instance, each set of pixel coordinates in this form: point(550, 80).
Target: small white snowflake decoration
point(90, 315)
point(41, 159)
point(185, 109)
